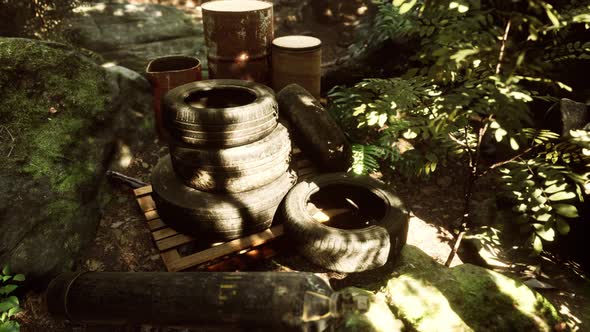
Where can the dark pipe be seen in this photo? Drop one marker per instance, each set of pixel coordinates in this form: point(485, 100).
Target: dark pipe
point(253, 299)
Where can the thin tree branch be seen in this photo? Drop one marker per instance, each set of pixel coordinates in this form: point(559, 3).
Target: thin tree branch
point(502, 163)
point(473, 177)
point(8, 131)
point(503, 46)
point(455, 249)
point(469, 152)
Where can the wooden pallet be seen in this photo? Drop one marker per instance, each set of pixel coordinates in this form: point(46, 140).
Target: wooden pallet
point(168, 241)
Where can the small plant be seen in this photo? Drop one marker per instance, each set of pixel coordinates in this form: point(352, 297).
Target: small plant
point(9, 304)
point(477, 70)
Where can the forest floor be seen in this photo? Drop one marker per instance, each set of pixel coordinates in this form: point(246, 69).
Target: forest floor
point(124, 243)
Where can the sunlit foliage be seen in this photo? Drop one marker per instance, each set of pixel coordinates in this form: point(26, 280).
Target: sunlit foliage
point(34, 18)
point(478, 67)
point(9, 304)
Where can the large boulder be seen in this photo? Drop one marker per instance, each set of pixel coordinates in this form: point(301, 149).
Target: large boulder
point(431, 297)
point(131, 35)
point(59, 115)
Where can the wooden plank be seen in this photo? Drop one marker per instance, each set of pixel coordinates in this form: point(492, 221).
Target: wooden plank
point(156, 224)
point(142, 191)
point(227, 248)
point(173, 241)
point(241, 262)
point(151, 215)
point(163, 233)
point(169, 256)
point(146, 203)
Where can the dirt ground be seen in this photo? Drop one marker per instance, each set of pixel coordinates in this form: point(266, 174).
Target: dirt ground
point(124, 243)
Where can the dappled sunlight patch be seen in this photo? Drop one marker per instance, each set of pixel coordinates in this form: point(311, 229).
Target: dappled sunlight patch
point(431, 297)
point(572, 321)
point(84, 9)
point(424, 305)
point(125, 156)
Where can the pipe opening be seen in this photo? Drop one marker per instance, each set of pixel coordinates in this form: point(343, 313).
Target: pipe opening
point(173, 63)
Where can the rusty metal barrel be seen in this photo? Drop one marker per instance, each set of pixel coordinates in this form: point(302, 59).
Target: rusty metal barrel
point(238, 36)
point(270, 300)
point(297, 59)
point(166, 73)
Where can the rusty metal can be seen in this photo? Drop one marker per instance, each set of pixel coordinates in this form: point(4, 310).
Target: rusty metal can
point(166, 73)
point(297, 59)
point(238, 36)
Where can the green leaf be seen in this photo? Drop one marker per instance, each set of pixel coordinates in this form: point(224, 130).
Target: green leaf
point(562, 226)
point(552, 17)
point(5, 306)
point(407, 6)
point(553, 188)
point(566, 210)
point(542, 217)
point(562, 196)
point(14, 311)
point(19, 277)
point(546, 233)
point(397, 3)
point(513, 144)
point(409, 134)
point(499, 134)
point(6, 270)
point(5, 290)
point(462, 54)
point(10, 326)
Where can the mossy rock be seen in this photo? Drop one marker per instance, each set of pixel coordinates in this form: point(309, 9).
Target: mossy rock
point(56, 133)
point(431, 297)
point(375, 316)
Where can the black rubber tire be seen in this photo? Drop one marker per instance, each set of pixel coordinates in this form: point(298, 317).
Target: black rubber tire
point(221, 127)
point(346, 250)
point(316, 132)
point(236, 169)
point(215, 216)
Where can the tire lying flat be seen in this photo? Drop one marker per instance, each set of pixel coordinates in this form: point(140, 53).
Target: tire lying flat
point(222, 113)
point(347, 250)
point(215, 216)
point(236, 169)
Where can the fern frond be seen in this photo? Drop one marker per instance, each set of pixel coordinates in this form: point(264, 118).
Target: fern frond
point(366, 158)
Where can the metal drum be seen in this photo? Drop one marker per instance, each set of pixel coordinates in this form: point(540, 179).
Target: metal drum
point(297, 59)
point(166, 73)
point(238, 36)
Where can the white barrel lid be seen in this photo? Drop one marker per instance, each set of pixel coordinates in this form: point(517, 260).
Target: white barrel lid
point(235, 5)
point(297, 43)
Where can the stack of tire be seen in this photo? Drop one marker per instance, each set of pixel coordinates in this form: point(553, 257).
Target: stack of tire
point(228, 168)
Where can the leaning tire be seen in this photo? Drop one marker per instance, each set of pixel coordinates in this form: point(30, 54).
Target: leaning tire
point(316, 132)
point(222, 113)
point(236, 169)
point(347, 250)
point(215, 216)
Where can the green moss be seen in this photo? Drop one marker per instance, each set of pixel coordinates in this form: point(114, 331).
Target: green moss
point(61, 209)
point(377, 318)
point(430, 297)
point(39, 76)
